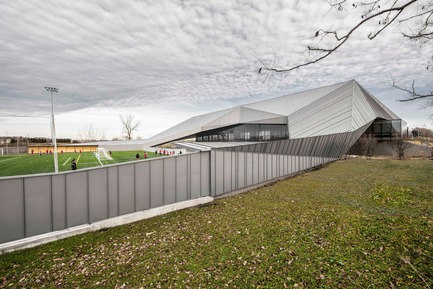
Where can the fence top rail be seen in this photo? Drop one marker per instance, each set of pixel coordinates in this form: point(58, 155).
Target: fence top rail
point(93, 168)
point(125, 164)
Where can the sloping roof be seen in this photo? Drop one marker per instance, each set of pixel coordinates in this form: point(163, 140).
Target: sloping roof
point(338, 108)
point(245, 115)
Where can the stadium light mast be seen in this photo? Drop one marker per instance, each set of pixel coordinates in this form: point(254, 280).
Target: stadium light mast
point(53, 128)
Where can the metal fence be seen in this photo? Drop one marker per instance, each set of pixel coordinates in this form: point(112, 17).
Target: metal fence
point(13, 150)
point(36, 204)
point(232, 171)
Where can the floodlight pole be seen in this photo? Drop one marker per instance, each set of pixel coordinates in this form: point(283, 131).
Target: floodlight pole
point(53, 128)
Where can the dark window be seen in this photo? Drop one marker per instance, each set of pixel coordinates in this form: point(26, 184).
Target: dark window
point(385, 129)
point(246, 132)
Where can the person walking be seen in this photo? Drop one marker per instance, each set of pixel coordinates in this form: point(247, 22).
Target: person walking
point(73, 165)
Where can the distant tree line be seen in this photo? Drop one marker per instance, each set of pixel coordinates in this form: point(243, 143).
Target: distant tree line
point(38, 140)
point(32, 140)
point(44, 140)
point(422, 132)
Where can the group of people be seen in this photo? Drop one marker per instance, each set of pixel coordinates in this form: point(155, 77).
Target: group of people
point(161, 152)
point(137, 156)
point(166, 152)
point(47, 152)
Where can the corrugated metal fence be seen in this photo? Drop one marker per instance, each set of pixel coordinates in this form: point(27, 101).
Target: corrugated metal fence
point(232, 171)
point(38, 204)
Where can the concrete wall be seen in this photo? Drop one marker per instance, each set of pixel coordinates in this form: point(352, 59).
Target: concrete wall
point(125, 146)
point(417, 150)
point(38, 204)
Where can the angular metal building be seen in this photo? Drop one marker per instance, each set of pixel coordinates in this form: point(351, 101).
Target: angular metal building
point(323, 122)
point(241, 147)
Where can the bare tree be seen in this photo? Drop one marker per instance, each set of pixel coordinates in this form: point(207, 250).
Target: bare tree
point(423, 132)
point(89, 133)
point(400, 146)
point(129, 125)
point(366, 144)
point(382, 15)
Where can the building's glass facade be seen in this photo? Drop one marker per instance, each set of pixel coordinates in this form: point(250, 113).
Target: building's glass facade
point(384, 130)
point(245, 132)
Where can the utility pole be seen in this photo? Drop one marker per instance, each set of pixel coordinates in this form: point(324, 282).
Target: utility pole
point(7, 141)
point(53, 128)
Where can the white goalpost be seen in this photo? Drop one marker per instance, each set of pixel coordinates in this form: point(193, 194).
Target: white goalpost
point(102, 154)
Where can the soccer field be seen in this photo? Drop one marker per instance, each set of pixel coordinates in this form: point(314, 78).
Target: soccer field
point(24, 164)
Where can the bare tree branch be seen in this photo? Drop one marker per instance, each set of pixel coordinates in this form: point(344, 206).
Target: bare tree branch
point(342, 39)
point(400, 146)
point(422, 32)
point(386, 16)
point(129, 126)
point(89, 133)
point(413, 95)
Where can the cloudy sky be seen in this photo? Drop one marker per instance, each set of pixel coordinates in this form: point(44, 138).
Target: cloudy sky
point(165, 61)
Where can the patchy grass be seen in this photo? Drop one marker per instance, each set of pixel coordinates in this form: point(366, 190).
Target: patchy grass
point(24, 164)
point(353, 224)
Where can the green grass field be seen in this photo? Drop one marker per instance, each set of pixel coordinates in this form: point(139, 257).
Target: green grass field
point(352, 224)
point(24, 164)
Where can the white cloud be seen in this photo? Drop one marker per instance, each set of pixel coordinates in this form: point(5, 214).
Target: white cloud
point(106, 56)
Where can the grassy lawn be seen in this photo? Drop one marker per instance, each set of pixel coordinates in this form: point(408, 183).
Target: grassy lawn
point(24, 164)
point(352, 224)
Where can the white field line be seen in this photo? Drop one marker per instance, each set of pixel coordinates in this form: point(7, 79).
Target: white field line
point(98, 160)
point(78, 158)
point(67, 161)
point(10, 159)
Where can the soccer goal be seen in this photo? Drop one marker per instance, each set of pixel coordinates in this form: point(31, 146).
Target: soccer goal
point(102, 154)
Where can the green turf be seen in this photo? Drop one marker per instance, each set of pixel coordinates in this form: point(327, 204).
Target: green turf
point(24, 164)
point(352, 224)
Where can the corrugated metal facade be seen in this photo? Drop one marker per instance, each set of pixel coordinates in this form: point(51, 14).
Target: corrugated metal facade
point(318, 120)
point(288, 104)
point(330, 114)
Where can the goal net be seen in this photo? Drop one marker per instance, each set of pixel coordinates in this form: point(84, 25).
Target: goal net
point(102, 154)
